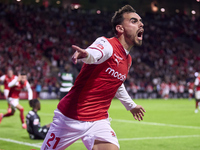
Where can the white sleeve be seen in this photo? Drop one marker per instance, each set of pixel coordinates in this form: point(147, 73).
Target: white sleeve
point(2, 78)
point(13, 82)
point(98, 52)
point(124, 98)
point(30, 92)
point(196, 82)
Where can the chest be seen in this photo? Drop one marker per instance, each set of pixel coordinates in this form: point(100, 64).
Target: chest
point(117, 66)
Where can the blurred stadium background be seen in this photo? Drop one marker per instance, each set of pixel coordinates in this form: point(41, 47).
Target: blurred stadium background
point(36, 35)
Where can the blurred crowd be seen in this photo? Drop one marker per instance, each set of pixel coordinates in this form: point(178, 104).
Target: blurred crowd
point(38, 40)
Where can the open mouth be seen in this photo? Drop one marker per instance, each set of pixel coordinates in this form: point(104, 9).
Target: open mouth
point(140, 34)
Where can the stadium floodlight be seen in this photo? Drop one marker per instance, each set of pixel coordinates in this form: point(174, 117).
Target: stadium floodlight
point(58, 2)
point(98, 11)
point(193, 12)
point(162, 9)
point(177, 11)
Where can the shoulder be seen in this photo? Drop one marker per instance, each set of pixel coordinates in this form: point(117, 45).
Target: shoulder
point(32, 113)
point(101, 43)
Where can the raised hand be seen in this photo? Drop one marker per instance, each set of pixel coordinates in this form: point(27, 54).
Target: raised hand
point(80, 53)
point(138, 112)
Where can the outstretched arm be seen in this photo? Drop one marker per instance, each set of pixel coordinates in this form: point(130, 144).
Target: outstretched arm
point(79, 54)
point(136, 110)
point(98, 52)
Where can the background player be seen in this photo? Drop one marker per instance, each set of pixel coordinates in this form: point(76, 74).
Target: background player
point(197, 91)
point(66, 80)
point(6, 79)
point(33, 122)
point(16, 86)
point(83, 112)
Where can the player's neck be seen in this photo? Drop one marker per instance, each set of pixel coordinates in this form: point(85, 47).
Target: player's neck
point(35, 109)
point(124, 43)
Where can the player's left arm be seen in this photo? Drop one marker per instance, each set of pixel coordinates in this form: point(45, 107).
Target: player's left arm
point(136, 110)
point(30, 92)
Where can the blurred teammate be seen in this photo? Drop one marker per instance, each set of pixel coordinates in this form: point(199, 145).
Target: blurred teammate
point(165, 90)
point(33, 122)
point(83, 112)
point(6, 79)
point(16, 86)
point(190, 89)
point(197, 92)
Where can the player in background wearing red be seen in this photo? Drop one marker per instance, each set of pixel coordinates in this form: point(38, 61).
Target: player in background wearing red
point(83, 112)
point(16, 86)
point(190, 89)
point(6, 79)
point(197, 92)
point(165, 90)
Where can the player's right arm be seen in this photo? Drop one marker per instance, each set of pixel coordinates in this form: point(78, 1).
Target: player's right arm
point(96, 53)
point(13, 82)
point(2, 78)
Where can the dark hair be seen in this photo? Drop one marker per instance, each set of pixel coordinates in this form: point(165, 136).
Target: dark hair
point(33, 102)
point(118, 16)
point(23, 73)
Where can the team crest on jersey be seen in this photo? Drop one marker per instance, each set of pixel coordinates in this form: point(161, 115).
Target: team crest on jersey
point(100, 46)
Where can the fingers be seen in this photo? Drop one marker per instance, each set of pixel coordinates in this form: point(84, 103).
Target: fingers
point(80, 53)
point(75, 57)
point(138, 116)
point(143, 109)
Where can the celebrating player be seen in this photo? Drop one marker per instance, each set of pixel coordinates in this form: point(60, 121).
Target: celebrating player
point(33, 122)
point(6, 79)
point(197, 92)
point(83, 112)
point(16, 86)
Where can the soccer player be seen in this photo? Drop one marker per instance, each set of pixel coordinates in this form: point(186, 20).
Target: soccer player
point(197, 92)
point(33, 122)
point(83, 112)
point(6, 79)
point(16, 86)
point(190, 89)
point(66, 79)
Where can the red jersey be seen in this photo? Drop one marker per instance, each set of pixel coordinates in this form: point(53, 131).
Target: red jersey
point(15, 90)
point(6, 80)
point(197, 83)
point(191, 85)
point(96, 85)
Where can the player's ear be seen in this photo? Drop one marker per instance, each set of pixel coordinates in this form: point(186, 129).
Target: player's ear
point(119, 28)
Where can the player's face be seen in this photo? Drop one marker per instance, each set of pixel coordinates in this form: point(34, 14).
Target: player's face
point(23, 78)
point(38, 106)
point(10, 73)
point(133, 28)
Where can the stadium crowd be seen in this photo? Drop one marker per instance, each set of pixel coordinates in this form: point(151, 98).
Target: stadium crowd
point(38, 40)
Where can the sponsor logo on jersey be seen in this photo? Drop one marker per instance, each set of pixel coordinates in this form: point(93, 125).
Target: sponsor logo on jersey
point(115, 74)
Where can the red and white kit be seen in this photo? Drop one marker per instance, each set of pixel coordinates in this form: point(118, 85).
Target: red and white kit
point(83, 112)
point(197, 91)
point(15, 88)
point(6, 79)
